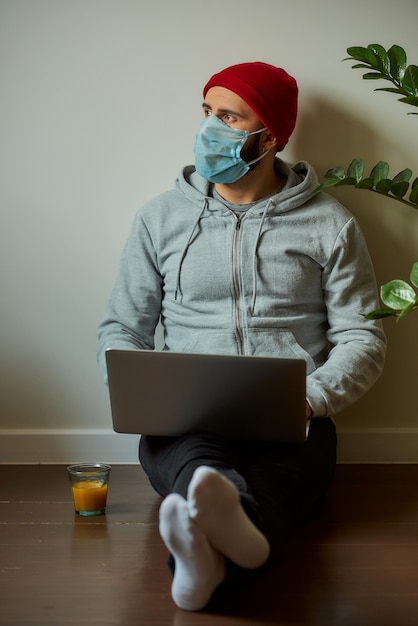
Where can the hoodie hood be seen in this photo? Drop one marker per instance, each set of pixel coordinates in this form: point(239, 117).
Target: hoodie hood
point(301, 181)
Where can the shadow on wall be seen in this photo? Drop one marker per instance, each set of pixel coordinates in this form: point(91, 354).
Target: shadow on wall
point(327, 136)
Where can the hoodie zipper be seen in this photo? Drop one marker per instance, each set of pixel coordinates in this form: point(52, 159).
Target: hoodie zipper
point(236, 283)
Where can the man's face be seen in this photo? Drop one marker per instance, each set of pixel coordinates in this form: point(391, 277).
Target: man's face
point(235, 112)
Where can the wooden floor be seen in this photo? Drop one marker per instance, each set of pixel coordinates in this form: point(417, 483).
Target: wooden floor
point(355, 563)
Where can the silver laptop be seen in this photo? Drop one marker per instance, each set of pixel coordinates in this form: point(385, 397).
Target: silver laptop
point(171, 393)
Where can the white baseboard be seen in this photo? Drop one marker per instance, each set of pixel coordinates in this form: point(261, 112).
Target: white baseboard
point(72, 446)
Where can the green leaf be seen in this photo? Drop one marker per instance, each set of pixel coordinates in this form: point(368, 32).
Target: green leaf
point(332, 178)
point(406, 310)
point(390, 89)
point(410, 80)
point(359, 66)
point(414, 195)
point(397, 59)
point(373, 76)
point(337, 172)
point(381, 56)
point(355, 169)
point(346, 181)
point(400, 184)
point(380, 171)
point(412, 100)
point(405, 175)
point(397, 294)
point(379, 313)
point(359, 53)
point(414, 274)
point(384, 185)
point(365, 183)
point(399, 189)
point(330, 182)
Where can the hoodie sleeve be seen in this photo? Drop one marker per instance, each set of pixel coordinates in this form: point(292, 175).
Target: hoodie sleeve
point(357, 352)
point(134, 304)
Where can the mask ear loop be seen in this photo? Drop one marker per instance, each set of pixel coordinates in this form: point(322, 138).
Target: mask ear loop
point(265, 153)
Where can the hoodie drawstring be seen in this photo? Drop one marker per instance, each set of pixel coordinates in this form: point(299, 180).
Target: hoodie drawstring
point(186, 247)
point(255, 258)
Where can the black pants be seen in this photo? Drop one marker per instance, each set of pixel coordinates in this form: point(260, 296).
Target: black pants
point(277, 482)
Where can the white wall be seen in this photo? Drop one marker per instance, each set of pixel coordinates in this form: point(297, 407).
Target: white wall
point(100, 101)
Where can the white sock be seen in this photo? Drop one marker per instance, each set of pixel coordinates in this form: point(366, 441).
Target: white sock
point(199, 568)
point(215, 505)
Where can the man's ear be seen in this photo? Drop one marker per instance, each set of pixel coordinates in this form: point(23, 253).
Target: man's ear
point(268, 141)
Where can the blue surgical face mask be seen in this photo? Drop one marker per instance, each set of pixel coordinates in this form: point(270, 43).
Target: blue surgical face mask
point(217, 151)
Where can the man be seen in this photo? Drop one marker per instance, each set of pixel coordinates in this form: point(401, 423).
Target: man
point(241, 257)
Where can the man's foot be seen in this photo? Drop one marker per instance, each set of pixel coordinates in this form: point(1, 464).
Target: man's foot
point(214, 504)
point(199, 568)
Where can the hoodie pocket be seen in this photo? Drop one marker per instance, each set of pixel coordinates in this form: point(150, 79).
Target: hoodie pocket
point(277, 343)
point(212, 342)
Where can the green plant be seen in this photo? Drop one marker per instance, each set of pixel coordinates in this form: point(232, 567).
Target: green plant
point(400, 298)
point(391, 65)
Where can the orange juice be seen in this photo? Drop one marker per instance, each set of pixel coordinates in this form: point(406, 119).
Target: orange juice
point(89, 495)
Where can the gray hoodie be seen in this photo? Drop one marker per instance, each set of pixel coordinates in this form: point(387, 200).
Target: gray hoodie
point(290, 277)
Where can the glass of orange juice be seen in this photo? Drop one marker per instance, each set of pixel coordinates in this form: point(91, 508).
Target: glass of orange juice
point(89, 484)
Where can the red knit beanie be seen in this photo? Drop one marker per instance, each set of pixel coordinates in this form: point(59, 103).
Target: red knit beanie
point(269, 91)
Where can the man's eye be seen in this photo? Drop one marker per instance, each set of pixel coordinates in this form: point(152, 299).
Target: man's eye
point(207, 113)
